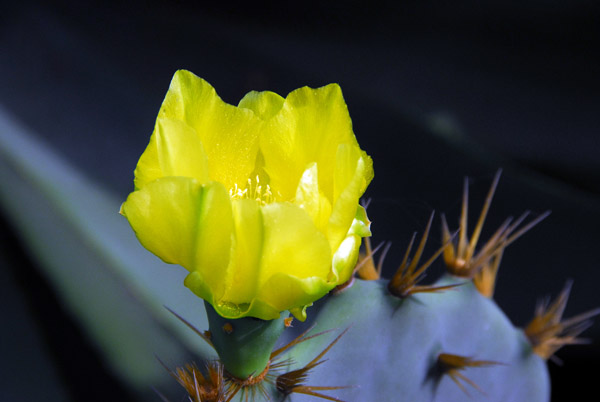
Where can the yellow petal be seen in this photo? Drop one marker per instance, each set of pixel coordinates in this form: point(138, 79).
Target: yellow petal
point(180, 150)
point(287, 292)
point(280, 262)
point(248, 247)
point(292, 244)
point(264, 104)
point(311, 199)
point(307, 192)
point(148, 167)
point(185, 223)
point(361, 225)
point(214, 237)
point(174, 150)
point(229, 134)
point(353, 168)
point(308, 128)
point(296, 258)
point(344, 259)
point(354, 171)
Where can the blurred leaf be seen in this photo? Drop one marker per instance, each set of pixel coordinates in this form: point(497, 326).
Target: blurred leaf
point(112, 285)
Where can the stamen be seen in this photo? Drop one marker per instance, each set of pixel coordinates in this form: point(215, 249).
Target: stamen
point(262, 193)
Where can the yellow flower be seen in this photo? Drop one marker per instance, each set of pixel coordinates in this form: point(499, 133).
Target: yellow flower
point(258, 202)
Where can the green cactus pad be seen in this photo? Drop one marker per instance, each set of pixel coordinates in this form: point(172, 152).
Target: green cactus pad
point(391, 348)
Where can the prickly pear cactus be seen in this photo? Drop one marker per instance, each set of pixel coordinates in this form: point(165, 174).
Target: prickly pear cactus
point(399, 349)
point(260, 203)
point(397, 340)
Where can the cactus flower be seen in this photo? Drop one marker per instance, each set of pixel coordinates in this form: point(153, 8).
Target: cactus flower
point(259, 202)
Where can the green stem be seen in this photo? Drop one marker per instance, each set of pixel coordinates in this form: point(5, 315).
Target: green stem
point(245, 344)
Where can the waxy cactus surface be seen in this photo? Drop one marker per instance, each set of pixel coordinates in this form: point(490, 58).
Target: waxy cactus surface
point(390, 351)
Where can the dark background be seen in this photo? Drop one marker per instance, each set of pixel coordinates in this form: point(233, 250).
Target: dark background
point(437, 91)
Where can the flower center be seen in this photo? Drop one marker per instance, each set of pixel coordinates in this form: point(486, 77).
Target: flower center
point(253, 190)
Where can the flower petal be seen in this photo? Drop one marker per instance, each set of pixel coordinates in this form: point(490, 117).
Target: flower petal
point(296, 258)
point(296, 294)
point(292, 244)
point(242, 281)
point(344, 259)
point(353, 172)
point(264, 104)
point(361, 225)
point(229, 134)
point(185, 223)
point(174, 150)
point(148, 167)
point(280, 262)
point(311, 199)
point(308, 128)
point(180, 150)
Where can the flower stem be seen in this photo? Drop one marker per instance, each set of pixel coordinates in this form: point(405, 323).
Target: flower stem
point(245, 344)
